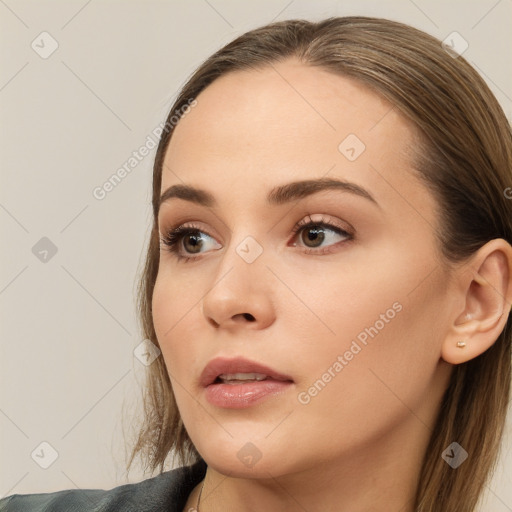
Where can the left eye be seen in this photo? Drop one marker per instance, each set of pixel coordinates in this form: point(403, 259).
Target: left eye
point(313, 234)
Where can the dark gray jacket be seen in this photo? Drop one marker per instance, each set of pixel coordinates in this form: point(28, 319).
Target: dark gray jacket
point(167, 492)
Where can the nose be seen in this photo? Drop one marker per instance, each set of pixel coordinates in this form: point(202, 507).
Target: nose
point(240, 294)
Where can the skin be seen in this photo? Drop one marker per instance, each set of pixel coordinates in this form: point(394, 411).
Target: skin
point(359, 443)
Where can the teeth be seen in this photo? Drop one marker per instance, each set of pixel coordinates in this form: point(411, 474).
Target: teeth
point(227, 377)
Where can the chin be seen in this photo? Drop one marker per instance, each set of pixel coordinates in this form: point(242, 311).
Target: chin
point(239, 457)
point(229, 465)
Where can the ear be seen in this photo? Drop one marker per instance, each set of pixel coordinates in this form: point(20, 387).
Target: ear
point(486, 284)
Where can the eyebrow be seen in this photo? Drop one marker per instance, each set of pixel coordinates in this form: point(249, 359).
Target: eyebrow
point(279, 195)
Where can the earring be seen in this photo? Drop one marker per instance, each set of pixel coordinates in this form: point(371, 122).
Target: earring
point(461, 344)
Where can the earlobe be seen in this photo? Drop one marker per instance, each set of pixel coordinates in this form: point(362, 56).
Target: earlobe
point(487, 285)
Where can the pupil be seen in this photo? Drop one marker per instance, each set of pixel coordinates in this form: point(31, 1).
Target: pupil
point(196, 242)
point(315, 235)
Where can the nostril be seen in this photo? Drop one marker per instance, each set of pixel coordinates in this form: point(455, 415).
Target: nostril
point(249, 317)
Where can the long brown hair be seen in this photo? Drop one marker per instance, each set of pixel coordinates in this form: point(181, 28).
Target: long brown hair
point(464, 157)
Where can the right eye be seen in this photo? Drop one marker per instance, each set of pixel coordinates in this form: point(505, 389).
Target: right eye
point(186, 240)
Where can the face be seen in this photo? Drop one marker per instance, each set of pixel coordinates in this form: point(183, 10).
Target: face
point(332, 290)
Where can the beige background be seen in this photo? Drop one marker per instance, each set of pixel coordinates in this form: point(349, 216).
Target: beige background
point(68, 122)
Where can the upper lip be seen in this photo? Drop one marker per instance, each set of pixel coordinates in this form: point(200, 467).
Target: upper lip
point(221, 365)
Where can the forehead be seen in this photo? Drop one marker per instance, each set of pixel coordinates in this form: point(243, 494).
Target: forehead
point(289, 121)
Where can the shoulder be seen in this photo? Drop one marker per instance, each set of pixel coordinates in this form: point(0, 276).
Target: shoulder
point(166, 492)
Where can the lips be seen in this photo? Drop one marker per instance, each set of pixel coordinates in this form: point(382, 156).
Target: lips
point(239, 383)
point(238, 369)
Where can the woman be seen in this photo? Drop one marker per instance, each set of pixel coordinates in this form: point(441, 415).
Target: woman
point(328, 280)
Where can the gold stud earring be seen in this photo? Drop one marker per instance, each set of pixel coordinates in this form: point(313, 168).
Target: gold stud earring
point(461, 344)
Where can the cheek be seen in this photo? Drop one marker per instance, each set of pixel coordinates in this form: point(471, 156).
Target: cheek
point(377, 330)
point(364, 389)
point(174, 304)
point(331, 308)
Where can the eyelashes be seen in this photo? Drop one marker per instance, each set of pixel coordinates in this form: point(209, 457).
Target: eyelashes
point(173, 238)
point(176, 239)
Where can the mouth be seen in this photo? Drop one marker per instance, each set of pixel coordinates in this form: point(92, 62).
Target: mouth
point(238, 370)
point(239, 378)
point(240, 383)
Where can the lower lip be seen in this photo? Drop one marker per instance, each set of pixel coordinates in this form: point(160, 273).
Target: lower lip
point(240, 396)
